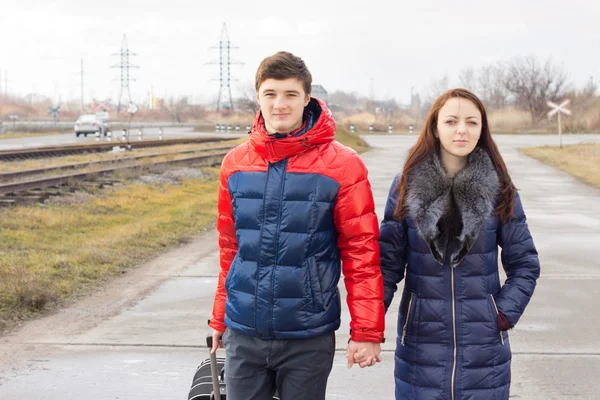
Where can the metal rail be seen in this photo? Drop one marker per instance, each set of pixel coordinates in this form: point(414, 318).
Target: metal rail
point(9, 176)
point(57, 151)
point(204, 160)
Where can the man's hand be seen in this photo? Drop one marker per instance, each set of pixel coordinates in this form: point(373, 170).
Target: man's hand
point(216, 343)
point(365, 354)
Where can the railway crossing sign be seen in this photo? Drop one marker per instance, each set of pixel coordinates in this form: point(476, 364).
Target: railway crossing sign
point(98, 105)
point(54, 112)
point(559, 109)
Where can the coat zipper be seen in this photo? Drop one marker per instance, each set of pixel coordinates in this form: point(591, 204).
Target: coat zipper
point(453, 331)
point(260, 241)
point(405, 327)
point(497, 314)
point(285, 164)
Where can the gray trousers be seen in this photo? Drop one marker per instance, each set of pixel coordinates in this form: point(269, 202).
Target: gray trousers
point(297, 368)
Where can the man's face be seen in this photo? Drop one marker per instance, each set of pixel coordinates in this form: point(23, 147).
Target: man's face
point(282, 104)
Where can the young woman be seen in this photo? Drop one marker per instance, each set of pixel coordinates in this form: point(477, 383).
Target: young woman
point(445, 217)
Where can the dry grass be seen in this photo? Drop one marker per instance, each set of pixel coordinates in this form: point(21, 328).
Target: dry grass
point(585, 118)
point(50, 252)
point(350, 139)
point(510, 121)
point(581, 160)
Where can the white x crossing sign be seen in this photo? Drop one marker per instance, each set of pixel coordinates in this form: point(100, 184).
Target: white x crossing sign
point(562, 107)
point(558, 109)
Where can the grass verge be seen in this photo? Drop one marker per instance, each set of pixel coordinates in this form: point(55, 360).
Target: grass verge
point(347, 138)
point(581, 160)
point(48, 253)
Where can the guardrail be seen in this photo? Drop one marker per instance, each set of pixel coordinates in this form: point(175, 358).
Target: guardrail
point(9, 126)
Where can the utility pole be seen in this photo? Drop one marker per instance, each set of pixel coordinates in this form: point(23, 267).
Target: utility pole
point(81, 84)
point(225, 99)
point(124, 66)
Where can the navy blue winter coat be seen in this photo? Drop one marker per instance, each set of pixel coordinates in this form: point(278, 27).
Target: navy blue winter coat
point(449, 345)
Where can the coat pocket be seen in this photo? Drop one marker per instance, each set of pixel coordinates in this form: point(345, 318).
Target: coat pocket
point(495, 313)
point(409, 313)
point(314, 284)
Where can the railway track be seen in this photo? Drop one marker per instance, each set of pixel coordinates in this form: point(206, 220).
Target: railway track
point(35, 186)
point(59, 151)
point(11, 176)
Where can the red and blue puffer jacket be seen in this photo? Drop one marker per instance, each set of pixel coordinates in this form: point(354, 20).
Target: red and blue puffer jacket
point(292, 210)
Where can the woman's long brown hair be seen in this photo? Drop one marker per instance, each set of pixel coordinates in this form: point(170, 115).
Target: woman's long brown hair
point(428, 143)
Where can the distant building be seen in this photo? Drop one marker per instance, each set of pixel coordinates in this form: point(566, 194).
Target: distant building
point(319, 92)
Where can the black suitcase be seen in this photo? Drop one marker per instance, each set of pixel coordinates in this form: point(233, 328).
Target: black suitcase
point(209, 379)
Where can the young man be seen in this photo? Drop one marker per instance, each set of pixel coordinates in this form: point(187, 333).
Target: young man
point(293, 205)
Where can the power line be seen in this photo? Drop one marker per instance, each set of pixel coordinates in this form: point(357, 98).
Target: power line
point(225, 100)
point(124, 66)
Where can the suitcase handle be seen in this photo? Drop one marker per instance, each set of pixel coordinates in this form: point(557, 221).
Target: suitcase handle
point(209, 342)
point(213, 369)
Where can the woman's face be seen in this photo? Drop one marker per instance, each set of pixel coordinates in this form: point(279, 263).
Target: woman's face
point(458, 127)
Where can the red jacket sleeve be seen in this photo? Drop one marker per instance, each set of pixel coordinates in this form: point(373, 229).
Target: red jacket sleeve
point(358, 231)
point(228, 245)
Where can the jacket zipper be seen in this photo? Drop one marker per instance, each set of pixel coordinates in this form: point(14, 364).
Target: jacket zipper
point(405, 327)
point(497, 314)
point(453, 330)
point(285, 164)
point(260, 241)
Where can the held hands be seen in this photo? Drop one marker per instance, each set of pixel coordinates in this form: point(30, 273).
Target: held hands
point(365, 354)
point(216, 341)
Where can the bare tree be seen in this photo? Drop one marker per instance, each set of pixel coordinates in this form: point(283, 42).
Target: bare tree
point(591, 88)
point(491, 84)
point(176, 108)
point(415, 102)
point(468, 79)
point(345, 100)
point(435, 89)
point(533, 84)
point(247, 103)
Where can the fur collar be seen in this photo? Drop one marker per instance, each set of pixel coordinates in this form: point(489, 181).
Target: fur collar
point(449, 212)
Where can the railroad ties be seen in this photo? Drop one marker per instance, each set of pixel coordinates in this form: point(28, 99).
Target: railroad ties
point(37, 185)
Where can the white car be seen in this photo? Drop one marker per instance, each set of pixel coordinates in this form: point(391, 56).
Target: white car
point(90, 123)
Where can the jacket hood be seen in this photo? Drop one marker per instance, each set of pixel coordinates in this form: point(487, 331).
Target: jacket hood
point(318, 128)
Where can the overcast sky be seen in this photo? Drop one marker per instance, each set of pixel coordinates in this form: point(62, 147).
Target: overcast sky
point(373, 47)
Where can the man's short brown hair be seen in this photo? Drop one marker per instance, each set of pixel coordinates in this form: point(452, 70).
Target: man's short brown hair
point(283, 65)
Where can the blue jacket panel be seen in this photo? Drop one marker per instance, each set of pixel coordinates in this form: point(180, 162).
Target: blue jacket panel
point(269, 294)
